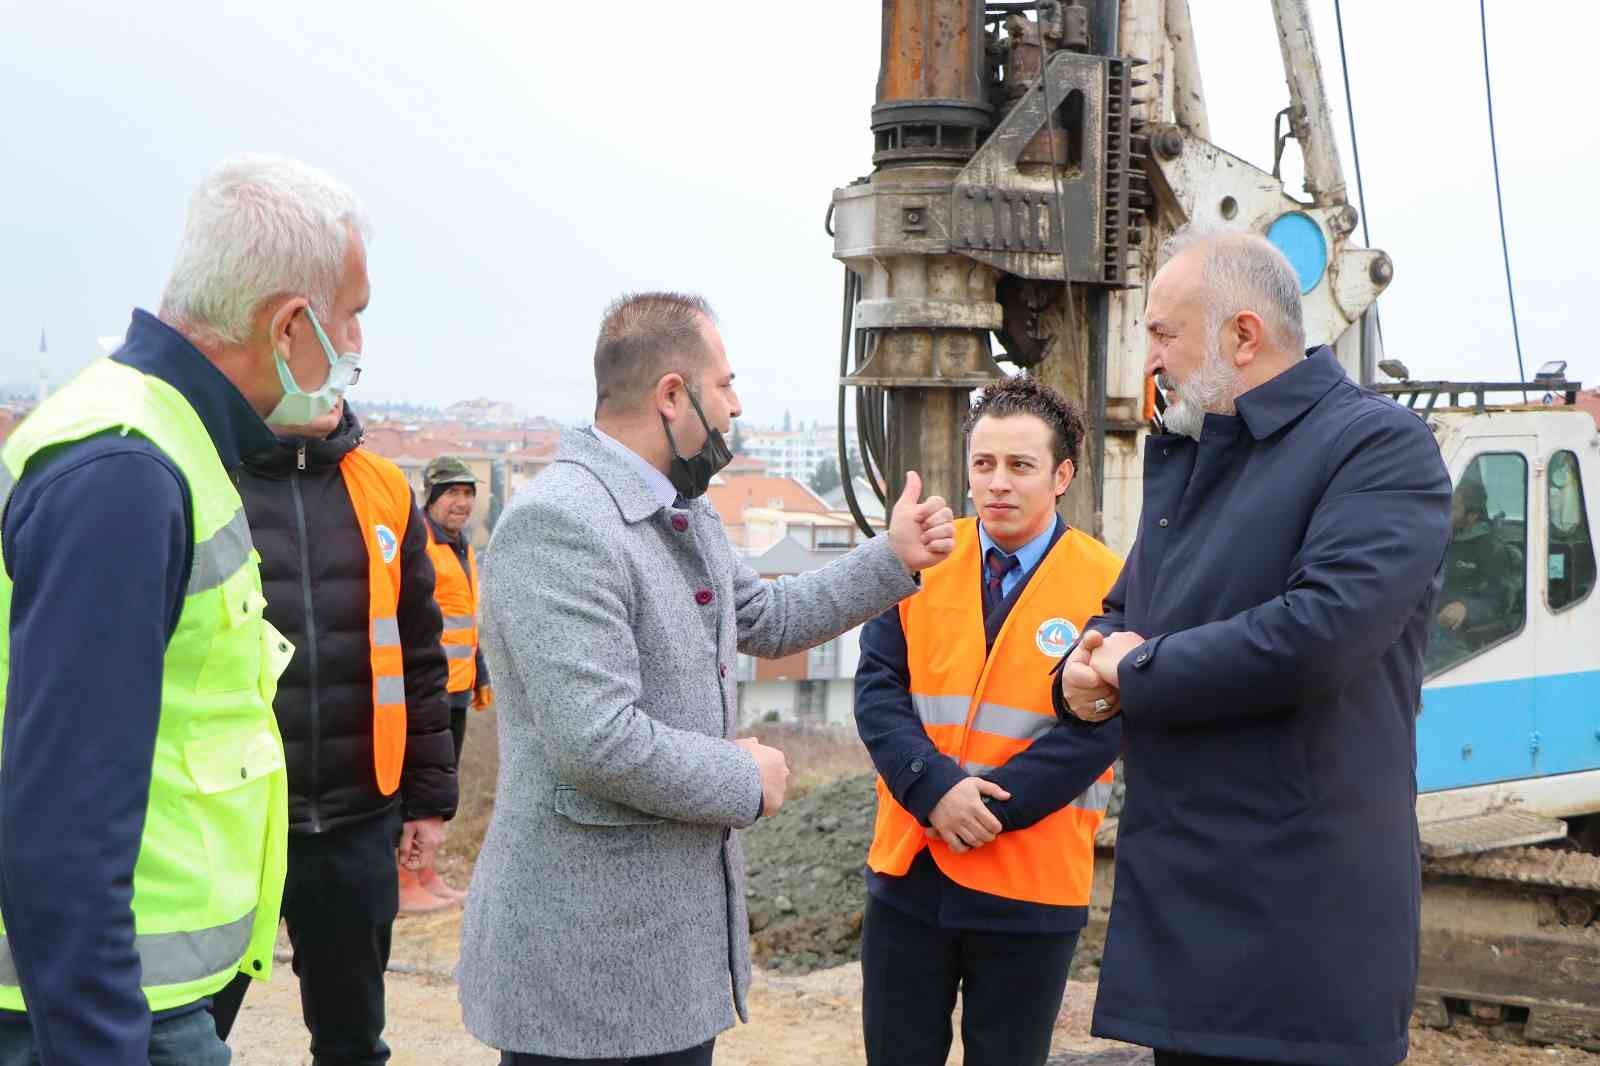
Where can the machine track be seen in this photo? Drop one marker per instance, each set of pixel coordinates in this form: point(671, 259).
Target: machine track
point(1510, 939)
point(1551, 868)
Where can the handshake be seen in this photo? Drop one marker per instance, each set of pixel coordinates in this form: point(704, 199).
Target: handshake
point(1089, 679)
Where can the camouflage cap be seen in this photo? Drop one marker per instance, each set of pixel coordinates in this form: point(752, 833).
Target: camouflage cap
point(447, 470)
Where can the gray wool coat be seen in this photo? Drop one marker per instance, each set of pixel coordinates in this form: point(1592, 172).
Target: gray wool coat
point(606, 915)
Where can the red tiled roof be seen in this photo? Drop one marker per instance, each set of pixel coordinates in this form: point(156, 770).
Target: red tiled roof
point(744, 465)
point(734, 495)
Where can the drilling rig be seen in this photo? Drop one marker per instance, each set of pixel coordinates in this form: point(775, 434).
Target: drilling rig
point(1018, 146)
point(1028, 161)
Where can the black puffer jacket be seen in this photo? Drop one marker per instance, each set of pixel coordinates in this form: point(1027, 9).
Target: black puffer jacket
point(314, 575)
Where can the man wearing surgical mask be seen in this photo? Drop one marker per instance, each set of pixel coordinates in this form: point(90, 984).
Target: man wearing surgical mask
point(143, 793)
point(606, 917)
point(362, 705)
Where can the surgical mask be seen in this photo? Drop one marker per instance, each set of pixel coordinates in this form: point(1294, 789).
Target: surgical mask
point(692, 476)
point(301, 408)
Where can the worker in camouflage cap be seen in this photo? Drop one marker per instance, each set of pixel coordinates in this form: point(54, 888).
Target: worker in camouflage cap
point(451, 490)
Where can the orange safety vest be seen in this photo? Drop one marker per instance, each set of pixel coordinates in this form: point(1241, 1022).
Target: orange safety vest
point(383, 504)
point(456, 589)
point(983, 709)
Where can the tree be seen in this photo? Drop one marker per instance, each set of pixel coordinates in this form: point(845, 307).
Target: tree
point(825, 478)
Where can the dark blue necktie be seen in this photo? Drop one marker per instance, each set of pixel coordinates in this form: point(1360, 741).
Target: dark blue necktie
point(997, 564)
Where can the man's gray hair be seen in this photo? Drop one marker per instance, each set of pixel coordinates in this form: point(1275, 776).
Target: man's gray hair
point(258, 227)
point(1243, 271)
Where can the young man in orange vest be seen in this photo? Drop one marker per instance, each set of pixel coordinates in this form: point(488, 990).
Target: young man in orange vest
point(451, 489)
point(982, 856)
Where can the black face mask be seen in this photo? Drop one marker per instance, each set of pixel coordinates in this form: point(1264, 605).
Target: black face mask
point(692, 476)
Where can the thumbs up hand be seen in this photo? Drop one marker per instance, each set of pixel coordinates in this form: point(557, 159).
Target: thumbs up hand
point(921, 534)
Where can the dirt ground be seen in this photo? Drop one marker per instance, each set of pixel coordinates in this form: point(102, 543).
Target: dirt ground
point(810, 1020)
point(802, 1020)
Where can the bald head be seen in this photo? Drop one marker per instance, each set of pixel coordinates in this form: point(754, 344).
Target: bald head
point(1223, 317)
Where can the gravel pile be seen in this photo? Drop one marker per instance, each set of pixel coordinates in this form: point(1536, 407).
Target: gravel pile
point(805, 888)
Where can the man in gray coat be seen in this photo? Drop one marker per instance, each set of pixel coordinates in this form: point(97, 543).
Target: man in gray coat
point(606, 918)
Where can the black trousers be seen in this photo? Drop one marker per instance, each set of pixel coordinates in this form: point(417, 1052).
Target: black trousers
point(695, 1056)
point(459, 708)
point(339, 901)
point(1011, 986)
point(1178, 1058)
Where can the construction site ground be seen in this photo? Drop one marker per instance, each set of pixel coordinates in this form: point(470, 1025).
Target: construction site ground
point(805, 1003)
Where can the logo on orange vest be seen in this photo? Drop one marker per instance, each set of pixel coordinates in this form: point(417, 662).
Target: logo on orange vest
point(387, 544)
point(1055, 637)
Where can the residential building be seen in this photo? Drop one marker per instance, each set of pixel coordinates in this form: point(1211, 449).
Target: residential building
point(485, 412)
point(795, 453)
point(744, 466)
point(525, 464)
point(866, 499)
point(815, 687)
point(784, 529)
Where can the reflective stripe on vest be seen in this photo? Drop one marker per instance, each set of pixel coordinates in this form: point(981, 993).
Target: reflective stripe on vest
point(173, 958)
point(983, 708)
point(383, 505)
point(456, 590)
point(219, 556)
point(208, 877)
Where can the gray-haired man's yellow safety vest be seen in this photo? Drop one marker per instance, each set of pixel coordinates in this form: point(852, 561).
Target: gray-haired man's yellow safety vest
point(209, 878)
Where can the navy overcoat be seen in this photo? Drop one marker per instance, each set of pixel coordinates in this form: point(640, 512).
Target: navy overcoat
point(1267, 873)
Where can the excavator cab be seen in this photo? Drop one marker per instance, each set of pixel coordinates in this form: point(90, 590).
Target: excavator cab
point(1511, 698)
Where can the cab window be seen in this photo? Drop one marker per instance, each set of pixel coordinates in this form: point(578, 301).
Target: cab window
point(1485, 595)
point(1571, 569)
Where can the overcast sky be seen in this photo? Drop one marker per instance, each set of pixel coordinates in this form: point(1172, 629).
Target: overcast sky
point(524, 162)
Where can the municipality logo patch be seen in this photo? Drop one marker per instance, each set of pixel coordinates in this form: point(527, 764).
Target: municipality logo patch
point(388, 544)
point(1055, 636)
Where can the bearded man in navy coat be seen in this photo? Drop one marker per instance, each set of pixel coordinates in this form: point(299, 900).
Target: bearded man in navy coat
point(1263, 648)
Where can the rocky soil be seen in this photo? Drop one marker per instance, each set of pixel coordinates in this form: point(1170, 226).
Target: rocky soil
point(805, 889)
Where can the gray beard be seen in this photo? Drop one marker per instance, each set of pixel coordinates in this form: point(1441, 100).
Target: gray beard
point(1210, 390)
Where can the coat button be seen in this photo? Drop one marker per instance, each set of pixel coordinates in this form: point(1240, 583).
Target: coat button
point(1143, 658)
point(680, 523)
point(244, 773)
point(916, 766)
point(1163, 523)
point(702, 596)
point(722, 669)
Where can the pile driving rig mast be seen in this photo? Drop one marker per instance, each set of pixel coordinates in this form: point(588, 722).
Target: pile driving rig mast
point(993, 185)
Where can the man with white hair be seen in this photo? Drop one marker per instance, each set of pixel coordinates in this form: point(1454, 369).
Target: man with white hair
point(1264, 649)
point(143, 808)
point(361, 706)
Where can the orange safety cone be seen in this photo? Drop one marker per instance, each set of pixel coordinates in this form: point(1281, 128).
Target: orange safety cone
point(415, 899)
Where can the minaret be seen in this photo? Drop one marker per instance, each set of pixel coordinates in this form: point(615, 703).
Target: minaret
point(44, 369)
